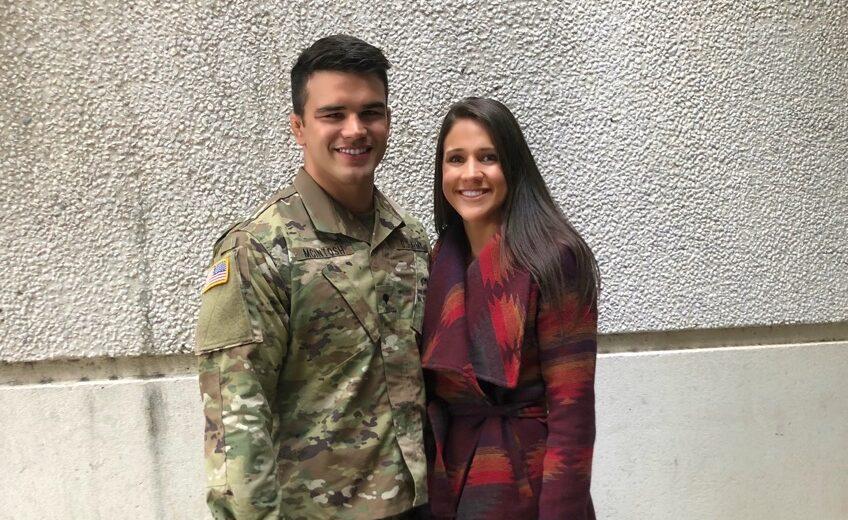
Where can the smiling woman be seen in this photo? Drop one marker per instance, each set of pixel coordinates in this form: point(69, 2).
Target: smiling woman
point(472, 180)
point(509, 331)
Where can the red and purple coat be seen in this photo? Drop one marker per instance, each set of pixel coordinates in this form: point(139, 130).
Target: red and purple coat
point(511, 400)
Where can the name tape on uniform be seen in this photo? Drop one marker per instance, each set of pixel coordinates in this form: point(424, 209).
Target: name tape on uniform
point(412, 244)
point(218, 274)
point(305, 253)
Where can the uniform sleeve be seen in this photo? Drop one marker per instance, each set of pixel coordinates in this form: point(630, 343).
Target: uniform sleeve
point(567, 352)
point(241, 342)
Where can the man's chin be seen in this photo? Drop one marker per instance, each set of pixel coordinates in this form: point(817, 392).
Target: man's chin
point(357, 175)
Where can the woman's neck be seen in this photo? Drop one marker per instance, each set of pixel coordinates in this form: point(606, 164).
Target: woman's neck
point(479, 233)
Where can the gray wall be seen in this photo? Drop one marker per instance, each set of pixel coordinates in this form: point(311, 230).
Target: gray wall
point(701, 147)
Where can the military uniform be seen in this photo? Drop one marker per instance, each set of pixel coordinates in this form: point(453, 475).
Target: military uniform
point(308, 361)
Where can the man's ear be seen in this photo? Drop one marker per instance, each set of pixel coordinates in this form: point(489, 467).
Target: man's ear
point(296, 123)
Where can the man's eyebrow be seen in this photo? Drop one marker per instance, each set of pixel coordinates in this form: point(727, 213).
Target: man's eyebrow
point(336, 108)
point(330, 108)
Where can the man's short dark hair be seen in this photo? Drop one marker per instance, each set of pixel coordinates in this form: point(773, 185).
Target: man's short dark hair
point(341, 53)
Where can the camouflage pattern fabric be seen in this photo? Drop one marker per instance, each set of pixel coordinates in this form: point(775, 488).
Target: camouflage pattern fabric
point(308, 362)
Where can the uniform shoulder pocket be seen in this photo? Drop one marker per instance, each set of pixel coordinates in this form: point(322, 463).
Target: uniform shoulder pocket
point(224, 321)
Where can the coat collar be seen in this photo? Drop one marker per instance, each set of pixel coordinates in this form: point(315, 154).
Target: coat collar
point(328, 216)
point(475, 317)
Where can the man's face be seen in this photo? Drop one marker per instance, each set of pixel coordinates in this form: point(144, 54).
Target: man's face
point(344, 128)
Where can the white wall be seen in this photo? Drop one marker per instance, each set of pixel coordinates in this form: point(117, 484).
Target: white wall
point(700, 146)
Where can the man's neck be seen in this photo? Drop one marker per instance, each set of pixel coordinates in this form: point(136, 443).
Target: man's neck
point(356, 198)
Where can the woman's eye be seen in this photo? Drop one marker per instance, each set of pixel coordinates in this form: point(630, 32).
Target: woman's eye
point(455, 159)
point(490, 158)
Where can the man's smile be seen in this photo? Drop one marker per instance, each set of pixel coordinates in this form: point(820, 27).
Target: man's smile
point(354, 152)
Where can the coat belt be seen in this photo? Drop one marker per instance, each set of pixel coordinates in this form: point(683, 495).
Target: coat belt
point(523, 410)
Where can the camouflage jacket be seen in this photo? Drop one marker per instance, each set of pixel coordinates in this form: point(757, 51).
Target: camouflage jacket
point(308, 361)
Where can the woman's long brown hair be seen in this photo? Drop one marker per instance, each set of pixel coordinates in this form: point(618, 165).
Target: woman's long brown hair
point(535, 230)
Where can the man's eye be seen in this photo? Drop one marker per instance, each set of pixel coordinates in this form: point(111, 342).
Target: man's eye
point(372, 114)
point(333, 115)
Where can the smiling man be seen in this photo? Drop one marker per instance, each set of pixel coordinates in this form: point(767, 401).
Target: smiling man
point(310, 317)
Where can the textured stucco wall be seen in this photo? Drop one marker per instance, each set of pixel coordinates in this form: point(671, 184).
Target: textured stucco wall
point(700, 146)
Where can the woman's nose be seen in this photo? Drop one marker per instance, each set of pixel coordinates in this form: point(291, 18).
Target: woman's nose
point(472, 170)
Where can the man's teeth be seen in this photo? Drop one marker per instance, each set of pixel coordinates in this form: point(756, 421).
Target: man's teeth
point(352, 151)
point(471, 193)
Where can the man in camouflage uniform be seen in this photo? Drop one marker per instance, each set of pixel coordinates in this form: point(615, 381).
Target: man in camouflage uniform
point(310, 316)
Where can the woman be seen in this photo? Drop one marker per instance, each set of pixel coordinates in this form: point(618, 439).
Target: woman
point(509, 331)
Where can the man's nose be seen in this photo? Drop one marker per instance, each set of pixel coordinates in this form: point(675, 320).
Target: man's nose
point(353, 127)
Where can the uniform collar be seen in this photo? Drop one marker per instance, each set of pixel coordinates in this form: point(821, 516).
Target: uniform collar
point(328, 216)
point(386, 218)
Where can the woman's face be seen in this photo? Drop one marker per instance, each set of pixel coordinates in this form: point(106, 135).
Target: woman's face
point(472, 179)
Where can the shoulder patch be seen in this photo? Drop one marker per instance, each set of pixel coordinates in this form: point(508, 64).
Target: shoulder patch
point(218, 274)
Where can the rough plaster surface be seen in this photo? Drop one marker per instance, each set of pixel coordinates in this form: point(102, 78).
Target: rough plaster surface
point(729, 433)
point(701, 147)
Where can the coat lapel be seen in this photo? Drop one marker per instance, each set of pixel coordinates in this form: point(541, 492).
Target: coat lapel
point(497, 307)
point(475, 317)
point(445, 334)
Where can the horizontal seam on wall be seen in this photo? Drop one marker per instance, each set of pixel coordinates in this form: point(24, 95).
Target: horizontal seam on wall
point(103, 369)
point(740, 349)
point(796, 334)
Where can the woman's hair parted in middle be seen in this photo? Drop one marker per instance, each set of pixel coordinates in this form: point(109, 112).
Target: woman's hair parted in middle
point(535, 230)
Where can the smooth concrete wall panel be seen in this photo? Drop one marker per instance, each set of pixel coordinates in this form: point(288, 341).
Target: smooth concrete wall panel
point(737, 433)
point(700, 146)
point(753, 432)
point(130, 449)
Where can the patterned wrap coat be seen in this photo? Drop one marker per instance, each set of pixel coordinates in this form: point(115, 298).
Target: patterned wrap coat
point(510, 390)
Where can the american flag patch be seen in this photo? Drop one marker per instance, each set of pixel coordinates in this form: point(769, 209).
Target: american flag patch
point(218, 274)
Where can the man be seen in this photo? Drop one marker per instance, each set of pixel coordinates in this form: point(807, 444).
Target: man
point(310, 316)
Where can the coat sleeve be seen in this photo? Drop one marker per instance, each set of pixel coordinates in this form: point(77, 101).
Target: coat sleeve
point(241, 340)
point(567, 352)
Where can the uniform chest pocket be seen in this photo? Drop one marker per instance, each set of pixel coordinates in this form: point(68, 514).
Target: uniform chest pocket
point(402, 296)
point(331, 322)
point(395, 301)
point(354, 300)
